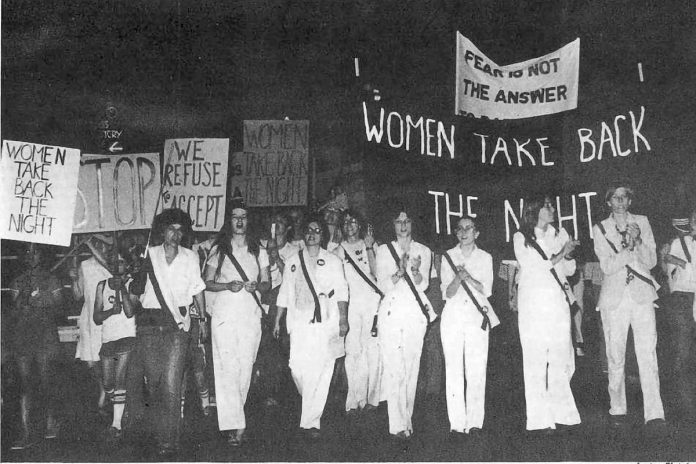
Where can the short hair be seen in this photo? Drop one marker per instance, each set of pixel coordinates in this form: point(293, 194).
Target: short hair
point(473, 221)
point(615, 187)
point(168, 217)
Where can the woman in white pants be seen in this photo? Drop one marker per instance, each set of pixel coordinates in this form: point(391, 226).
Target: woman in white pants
point(236, 317)
point(544, 318)
point(462, 330)
point(402, 323)
point(317, 321)
point(362, 349)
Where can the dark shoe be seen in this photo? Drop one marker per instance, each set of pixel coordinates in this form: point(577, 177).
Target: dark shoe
point(352, 413)
point(475, 432)
point(404, 435)
point(541, 433)
point(369, 407)
point(233, 439)
point(618, 420)
point(657, 428)
point(113, 436)
point(314, 434)
point(457, 437)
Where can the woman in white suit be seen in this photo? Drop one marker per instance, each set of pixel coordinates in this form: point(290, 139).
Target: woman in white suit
point(544, 318)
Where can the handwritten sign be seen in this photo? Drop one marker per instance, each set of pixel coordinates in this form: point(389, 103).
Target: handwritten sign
point(195, 178)
point(38, 185)
point(116, 192)
point(535, 87)
point(273, 169)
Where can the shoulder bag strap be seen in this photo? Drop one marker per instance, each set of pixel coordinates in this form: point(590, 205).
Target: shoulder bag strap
point(408, 280)
point(486, 320)
point(317, 306)
point(684, 247)
point(361, 273)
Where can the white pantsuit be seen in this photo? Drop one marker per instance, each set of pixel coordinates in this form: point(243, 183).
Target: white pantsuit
point(628, 302)
point(464, 343)
point(401, 330)
point(314, 346)
point(363, 366)
point(236, 334)
point(544, 323)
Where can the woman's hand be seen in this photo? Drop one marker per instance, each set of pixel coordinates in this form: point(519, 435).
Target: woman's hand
point(370, 236)
point(250, 286)
point(235, 286)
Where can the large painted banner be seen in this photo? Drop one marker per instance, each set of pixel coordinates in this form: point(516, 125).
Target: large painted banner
point(195, 180)
point(273, 169)
point(536, 87)
point(116, 192)
point(37, 192)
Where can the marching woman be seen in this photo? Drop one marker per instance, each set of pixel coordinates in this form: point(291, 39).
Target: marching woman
point(236, 270)
point(362, 349)
point(543, 254)
point(315, 294)
point(403, 274)
point(467, 280)
point(113, 311)
point(84, 285)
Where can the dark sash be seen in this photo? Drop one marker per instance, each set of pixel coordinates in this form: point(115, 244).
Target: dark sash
point(362, 274)
point(486, 321)
point(243, 275)
point(565, 288)
point(408, 280)
point(158, 291)
point(630, 271)
point(317, 306)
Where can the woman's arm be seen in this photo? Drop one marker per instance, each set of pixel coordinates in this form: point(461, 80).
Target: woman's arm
point(100, 315)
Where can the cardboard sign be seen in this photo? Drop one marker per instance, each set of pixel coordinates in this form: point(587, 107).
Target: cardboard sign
point(195, 180)
point(535, 87)
point(37, 185)
point(116, 192)
point(273, 169)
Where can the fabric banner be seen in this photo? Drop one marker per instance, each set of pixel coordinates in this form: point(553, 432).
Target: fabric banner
point(273, 169)
point(116, 192)
point(195, 180)
point(37, 188)
point(536, 87)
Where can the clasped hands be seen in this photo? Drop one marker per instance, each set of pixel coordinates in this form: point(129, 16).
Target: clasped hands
point(237, 285)
point(415, 266)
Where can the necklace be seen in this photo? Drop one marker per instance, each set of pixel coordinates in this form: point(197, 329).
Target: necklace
point(624, 236)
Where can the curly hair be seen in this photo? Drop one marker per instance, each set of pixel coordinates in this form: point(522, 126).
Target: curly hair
point(168, 217)
point(355, 214)
point(318, 218)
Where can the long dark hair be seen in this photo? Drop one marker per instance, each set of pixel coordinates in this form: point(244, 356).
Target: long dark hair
point(168, 217)
point(223, 241)
point(530, 217)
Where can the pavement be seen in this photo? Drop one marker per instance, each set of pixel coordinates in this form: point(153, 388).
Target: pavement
point(273, 431)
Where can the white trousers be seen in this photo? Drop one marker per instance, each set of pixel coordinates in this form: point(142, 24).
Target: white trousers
point(362, 357)
point(312, 369)
point(549, 363)
point(465, 347)
point(401, 344)
point(235, 345)
point(616, 321)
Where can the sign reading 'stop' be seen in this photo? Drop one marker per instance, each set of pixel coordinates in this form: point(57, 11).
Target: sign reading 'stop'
point(535, 87)
point(273, 169)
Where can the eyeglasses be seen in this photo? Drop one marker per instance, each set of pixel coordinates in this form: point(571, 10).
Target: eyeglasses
point(465, 229)
point(313, 230)
point(404, 222)
point(350, 222)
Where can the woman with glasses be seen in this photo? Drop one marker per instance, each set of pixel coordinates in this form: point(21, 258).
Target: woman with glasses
point(625, 246)
point(465, 327)
point(362, 350)
point(544, 317)
point(402, 320)
point(314, 293)
point(236, 269)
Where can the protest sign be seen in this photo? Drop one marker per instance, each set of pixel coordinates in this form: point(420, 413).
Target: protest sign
point(536, 87)
point(37, 185)
point(195, 178)
point(116, 192)
point(273, 169)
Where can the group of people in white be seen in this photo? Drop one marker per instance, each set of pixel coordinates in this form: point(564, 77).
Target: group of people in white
point(366, 301)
